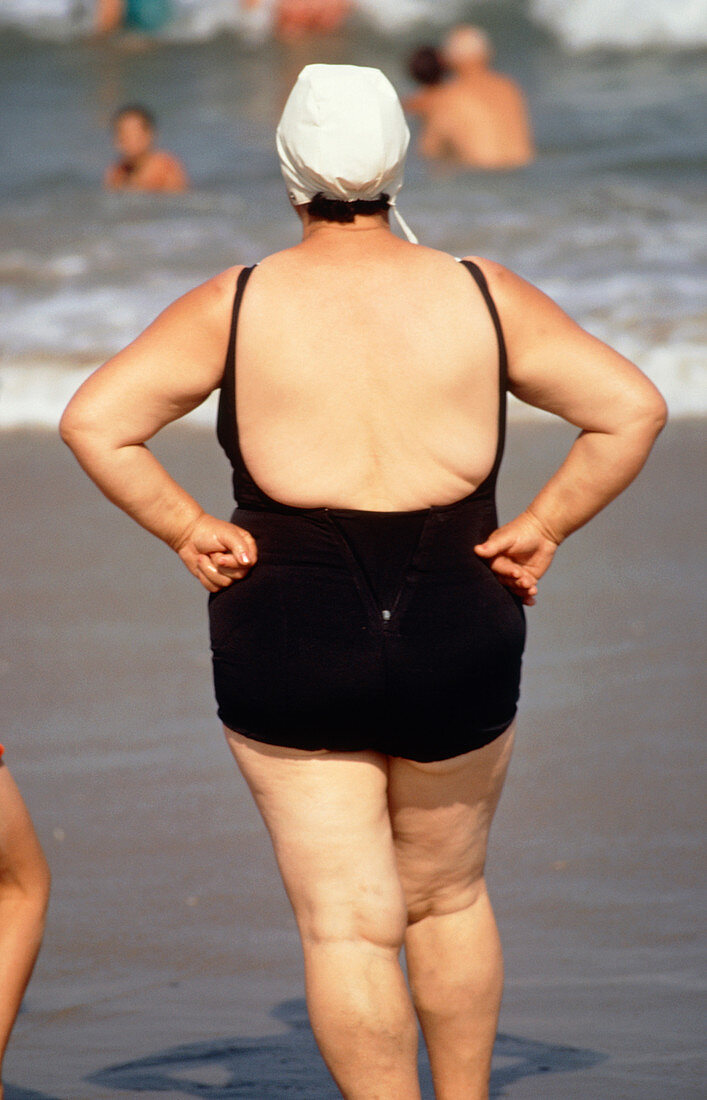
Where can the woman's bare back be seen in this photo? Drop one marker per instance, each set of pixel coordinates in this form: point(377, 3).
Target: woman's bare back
point(366, 381)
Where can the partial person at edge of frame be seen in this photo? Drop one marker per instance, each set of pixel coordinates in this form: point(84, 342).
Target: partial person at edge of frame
point(24, 897)
point(468, 112)
point(141, 167)
point(366, 608)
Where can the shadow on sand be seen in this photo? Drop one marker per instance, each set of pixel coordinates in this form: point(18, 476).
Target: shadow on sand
point(274, 1066)
point(12, 1092)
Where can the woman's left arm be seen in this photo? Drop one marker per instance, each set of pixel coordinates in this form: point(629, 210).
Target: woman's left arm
point(555, 365)
point(170, 369)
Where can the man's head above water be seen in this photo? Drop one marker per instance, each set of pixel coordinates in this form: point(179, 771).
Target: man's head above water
point(467, 45)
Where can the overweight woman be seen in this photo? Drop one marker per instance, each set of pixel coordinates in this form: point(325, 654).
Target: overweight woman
point(367, 611)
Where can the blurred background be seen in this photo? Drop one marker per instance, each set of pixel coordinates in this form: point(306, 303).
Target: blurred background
point(608, 219)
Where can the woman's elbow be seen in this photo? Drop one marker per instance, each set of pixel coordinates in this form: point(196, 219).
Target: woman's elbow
point(68, 425)
point(654, 413)
point(645, 414)
point(76, 427)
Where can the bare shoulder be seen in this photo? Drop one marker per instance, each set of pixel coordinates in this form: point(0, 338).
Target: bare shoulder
point(423, 100)
point(223, 285)
point(503, 283)
point(503, 80)
point(215, 296)
point(494, 272)
point(415, 102)
point(203, 312)
point(166, 159)
point(516, 298)
point(556, 365)
point(168, 171)
point(169, 161)
point(530, 318)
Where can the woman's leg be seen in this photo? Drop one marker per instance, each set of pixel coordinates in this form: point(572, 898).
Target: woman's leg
point(327, 814)
point(24, 893)
point(441, 814)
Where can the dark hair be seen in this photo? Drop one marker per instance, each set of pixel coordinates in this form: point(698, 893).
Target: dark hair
point(337, 210)
point(426, 65)
point(135, 109)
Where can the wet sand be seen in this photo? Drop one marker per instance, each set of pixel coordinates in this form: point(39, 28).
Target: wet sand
point(171, 964)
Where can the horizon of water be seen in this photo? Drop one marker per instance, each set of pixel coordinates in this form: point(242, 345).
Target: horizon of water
point(609, 220)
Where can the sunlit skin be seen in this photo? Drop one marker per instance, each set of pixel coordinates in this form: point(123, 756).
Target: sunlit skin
point(108, 16)
point(375, 852)
point(142, 167)
point(297, 18)
point(24, 895)
point(478, 117)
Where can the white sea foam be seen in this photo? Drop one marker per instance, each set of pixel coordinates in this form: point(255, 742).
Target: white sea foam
point(624, 24)
point(577, 24)
point(33, 395)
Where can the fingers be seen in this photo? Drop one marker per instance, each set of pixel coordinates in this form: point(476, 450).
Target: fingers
point(228, 564)
point(507, 569)
point(216, 571)
point(218, 553)
point(240, 544)
point(205, 571)
point(212, 536)
point(515, 577)
point(522, 588)
point(495, 544)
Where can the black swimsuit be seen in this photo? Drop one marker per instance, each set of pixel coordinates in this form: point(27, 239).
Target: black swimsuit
point(366, 630)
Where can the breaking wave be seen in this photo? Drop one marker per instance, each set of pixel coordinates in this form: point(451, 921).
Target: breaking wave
point(576, 24)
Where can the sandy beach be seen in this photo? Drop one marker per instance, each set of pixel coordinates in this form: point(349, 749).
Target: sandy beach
point(171, 964)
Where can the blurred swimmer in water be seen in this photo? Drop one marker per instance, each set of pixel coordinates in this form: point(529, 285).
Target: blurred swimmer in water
point(141, 167)
point(297, 18)
point(477, 117)
point(134, 15)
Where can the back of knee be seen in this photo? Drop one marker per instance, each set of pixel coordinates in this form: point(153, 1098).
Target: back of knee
point(380, 926)
point(444, 899)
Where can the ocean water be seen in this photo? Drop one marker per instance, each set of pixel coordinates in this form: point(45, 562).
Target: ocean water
point(609, 220)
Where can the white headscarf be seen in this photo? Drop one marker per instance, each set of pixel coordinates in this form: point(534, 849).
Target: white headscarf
point(343, 133)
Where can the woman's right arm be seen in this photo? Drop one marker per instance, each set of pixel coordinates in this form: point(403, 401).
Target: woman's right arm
point(555, 365)
point(165, 373)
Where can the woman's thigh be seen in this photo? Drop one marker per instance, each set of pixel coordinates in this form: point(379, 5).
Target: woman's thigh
point(441, 815)
point(327, 814)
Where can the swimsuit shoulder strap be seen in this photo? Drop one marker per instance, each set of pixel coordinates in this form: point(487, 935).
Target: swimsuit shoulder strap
point(480, 279)
point(227, 424)
point(241, 282)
